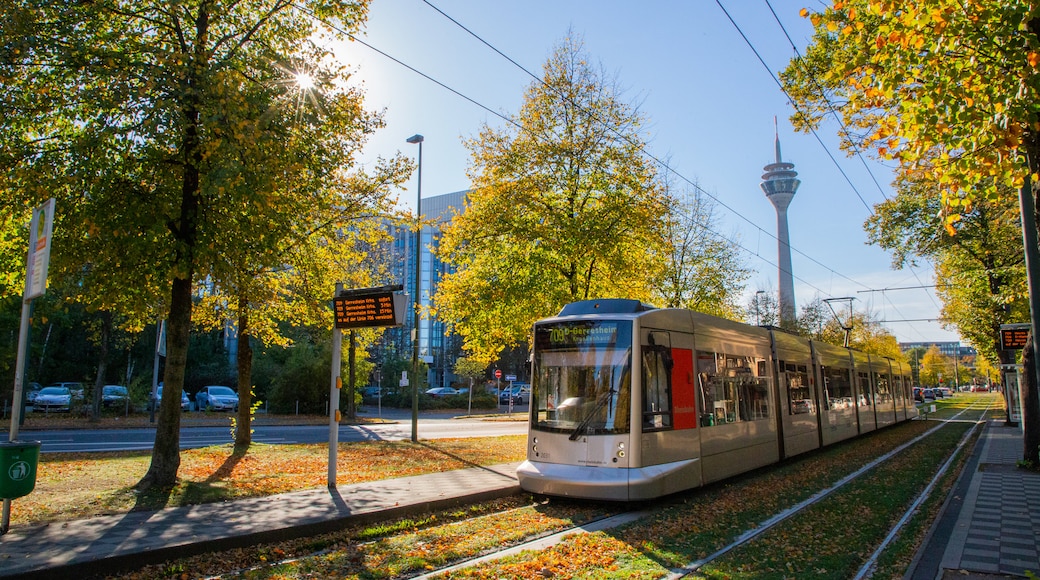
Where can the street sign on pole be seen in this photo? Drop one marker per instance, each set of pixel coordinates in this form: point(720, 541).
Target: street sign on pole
point(39, 250)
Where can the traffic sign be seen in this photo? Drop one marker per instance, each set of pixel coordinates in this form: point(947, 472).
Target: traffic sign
point(498, 373)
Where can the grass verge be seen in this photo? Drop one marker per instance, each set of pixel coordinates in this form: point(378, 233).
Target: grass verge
point(74, 486)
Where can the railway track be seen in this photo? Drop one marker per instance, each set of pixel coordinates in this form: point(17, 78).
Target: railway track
point(723, 549)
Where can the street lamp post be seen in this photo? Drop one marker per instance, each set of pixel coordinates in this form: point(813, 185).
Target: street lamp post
point(418, 284)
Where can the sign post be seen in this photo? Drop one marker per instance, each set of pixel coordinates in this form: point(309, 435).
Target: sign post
point(35, 286)
point(360, 308)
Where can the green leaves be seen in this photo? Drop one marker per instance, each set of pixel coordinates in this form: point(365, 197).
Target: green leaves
point(562, 209)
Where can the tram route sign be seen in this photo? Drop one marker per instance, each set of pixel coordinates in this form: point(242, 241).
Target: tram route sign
point(1014, 336)
point(368, 307)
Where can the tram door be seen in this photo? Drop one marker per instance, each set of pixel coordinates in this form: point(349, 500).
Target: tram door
point(668, 410)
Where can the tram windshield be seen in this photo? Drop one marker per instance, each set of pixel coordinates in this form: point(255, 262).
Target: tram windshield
point(582, 377)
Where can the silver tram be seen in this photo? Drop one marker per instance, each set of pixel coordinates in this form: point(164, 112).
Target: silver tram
point(630, 402)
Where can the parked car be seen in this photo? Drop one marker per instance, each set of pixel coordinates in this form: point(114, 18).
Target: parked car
point(185, 401)
point(520, 394)
point(937, 393)
point(928, 394)
point(216, 398)
point(53, 399)
point(31, 390)
point(114, 396)
point(438, 392)
point(370, 392)
point(75, 388)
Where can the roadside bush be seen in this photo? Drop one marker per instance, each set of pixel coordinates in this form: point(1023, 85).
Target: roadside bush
point(301, 382)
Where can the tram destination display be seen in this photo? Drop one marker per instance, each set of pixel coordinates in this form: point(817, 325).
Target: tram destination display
point(366, 309)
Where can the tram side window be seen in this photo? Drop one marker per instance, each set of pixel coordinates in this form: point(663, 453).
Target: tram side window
point(865, 397)
point(731, 388)
point(657, 388)
point(883, 393)
point(799, 397)
point(837, 388)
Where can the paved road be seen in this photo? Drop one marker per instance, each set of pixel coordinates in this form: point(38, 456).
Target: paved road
point(438, 427)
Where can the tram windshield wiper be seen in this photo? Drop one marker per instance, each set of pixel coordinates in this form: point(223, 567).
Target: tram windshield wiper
point(583, 427)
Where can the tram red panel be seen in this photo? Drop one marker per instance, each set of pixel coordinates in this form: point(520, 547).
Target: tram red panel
point(684, 400)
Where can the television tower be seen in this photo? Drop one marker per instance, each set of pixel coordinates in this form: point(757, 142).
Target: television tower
point(780, 182)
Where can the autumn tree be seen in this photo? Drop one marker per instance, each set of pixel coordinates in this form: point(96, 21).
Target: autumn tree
point(703, 269)
point(947, 90)
point(979, 267)
point(144, 118)
point(563, 207)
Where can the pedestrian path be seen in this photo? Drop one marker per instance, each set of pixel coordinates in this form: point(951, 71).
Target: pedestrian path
point(990, 524)
point(108, 543)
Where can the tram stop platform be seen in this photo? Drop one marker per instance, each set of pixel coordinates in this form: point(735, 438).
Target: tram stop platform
point(989, 526)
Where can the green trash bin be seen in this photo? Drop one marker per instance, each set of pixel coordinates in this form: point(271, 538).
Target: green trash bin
point(18, 461)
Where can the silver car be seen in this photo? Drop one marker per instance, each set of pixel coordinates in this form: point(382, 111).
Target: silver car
point(216, 398)
point(53, 399)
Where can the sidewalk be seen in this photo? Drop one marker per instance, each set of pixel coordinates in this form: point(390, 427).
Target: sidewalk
point(990, 525)
point(106, 544)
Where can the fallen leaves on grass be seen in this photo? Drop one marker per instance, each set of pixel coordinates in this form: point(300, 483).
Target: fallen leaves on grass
point(80, 485)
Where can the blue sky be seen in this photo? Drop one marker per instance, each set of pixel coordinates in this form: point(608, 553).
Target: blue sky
point(710, 103)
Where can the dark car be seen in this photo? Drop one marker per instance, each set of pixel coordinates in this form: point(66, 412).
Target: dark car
point(185, 401)
point(114, 396)
point(518, 394)
point(371, 393)
point(31, 390)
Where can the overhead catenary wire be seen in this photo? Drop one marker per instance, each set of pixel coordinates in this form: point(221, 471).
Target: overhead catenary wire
point(834, 113)
point(655, 159)
point(649, 155)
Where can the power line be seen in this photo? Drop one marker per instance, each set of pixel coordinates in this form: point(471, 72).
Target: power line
point(795, 105)
point(659, 161)
point(830, 107)
point(624, 137)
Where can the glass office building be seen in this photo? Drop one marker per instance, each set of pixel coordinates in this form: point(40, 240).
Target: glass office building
point(438, 345)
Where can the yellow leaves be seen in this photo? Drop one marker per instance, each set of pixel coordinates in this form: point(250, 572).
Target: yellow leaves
point(804, 12)
point(949, 221)
point(1033, 58)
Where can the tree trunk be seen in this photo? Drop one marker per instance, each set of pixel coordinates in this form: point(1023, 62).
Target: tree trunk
point(166, 453)
point(1030, 407)
point(244, 360)
point(99, 381)
point(166, 457)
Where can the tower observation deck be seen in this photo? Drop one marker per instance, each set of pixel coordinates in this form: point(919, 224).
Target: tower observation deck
point(780, 182)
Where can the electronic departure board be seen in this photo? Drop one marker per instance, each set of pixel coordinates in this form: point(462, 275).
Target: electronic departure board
point(361, 310)
point(1013, 336)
